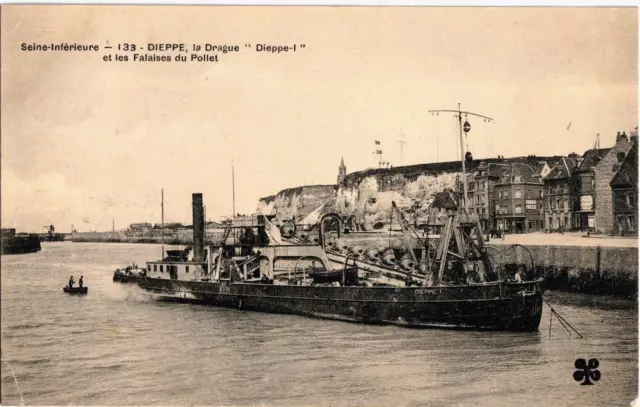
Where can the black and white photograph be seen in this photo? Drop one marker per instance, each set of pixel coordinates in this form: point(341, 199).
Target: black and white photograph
point(252, 205)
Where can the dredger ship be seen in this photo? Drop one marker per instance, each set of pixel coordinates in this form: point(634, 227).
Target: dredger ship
point(255, 268)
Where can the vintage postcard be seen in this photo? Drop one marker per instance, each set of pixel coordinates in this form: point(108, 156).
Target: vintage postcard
point(319, 205)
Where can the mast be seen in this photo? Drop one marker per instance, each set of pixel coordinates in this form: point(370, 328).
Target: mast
point(162, 207)
point(466, 128)
point(464, 172)
point(233, 186)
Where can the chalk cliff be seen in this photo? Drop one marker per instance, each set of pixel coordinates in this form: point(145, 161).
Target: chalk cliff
point(364, 198)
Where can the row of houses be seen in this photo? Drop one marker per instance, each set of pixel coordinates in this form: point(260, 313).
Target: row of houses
point(596, 191)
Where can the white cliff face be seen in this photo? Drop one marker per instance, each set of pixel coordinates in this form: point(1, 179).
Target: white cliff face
point(371, 199)
point(265, 207)
point(367, 203)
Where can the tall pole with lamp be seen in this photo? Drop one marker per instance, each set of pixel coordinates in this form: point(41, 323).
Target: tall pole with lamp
point(466, 127)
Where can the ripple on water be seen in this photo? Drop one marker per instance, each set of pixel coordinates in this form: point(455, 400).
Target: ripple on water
point(115, 347)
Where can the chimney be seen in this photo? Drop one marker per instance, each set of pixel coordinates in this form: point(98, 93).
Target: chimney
point(198, 228)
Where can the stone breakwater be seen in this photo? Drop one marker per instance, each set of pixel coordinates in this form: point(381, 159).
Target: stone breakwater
point(182, 237)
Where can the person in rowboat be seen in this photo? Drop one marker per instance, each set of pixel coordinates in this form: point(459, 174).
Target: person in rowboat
point(71, 282)
point(80, 283)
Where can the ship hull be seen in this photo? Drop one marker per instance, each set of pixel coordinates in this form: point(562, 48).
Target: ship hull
point(494, 306)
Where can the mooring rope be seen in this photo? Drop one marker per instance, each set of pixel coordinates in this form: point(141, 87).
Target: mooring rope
point(562, 321)
point(15, 379)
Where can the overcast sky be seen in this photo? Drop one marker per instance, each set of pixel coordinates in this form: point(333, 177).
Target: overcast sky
point(86, 141)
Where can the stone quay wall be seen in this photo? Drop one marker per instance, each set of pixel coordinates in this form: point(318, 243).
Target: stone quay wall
point(593, 269)
point(582, 269)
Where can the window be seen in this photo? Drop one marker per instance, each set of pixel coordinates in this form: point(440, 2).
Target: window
point(518, 208)
point(148, 267)
point(155, 267)
point(528, 193)
point(186, 269)
point(566, 206)
point(517, 194)
point(630, 199)
point(161, 268)
point(497, 208)
point(541, 194)
point(557, 204)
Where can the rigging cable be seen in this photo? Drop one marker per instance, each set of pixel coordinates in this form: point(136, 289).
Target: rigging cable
point(562, 321)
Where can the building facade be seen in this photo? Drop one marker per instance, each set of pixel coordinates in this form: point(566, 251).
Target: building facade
point(624, 187)
point(584, 213)
point(519, 200)
point(444, 204)
point(560, 191)
point(481, 184)
point(141, 227)
point(604, 173)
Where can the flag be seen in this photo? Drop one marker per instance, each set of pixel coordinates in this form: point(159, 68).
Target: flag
point(377, 142)
point(378, 151)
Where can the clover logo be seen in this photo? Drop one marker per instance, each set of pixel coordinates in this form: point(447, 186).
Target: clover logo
point(586, 371)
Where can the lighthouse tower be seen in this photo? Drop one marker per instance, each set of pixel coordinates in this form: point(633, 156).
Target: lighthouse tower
point(342, 171)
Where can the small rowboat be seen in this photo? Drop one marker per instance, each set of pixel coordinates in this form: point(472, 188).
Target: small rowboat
point(76, 290)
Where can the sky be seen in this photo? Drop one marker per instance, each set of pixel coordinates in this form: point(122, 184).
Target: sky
point(86, 142)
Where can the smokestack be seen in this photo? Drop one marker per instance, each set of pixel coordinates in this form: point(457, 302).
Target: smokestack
point(198, 228)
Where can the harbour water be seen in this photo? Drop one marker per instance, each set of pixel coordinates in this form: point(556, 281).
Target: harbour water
point(117, 346)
